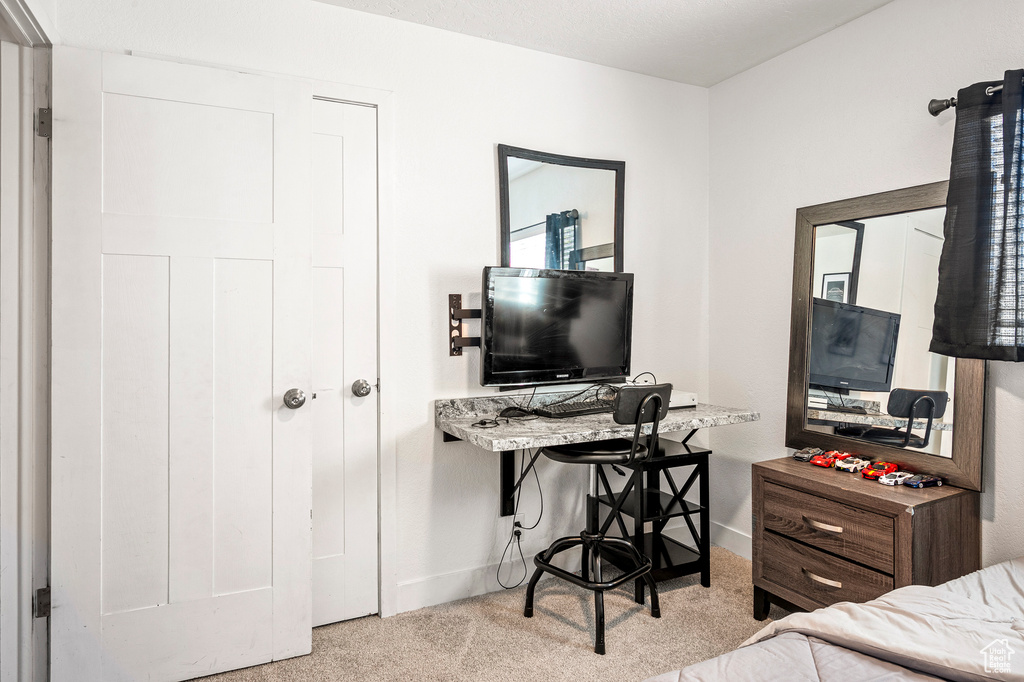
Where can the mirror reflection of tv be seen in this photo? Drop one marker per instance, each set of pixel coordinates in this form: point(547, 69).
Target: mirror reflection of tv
point(853, 348)
point(555, 326)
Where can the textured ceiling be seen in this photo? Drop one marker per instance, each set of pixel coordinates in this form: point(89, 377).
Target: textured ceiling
point(700, 42)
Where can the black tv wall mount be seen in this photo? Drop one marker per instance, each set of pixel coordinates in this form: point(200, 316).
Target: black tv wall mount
point(456, 314)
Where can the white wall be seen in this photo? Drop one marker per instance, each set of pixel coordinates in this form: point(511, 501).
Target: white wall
point(833, 252)
point(456, 97)
point(552, 189)
point(839, 117)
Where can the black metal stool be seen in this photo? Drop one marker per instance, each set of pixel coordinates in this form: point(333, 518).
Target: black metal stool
point(633, 405)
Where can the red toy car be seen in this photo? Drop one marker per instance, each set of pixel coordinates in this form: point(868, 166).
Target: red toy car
point(878, 469)
point(829, 458)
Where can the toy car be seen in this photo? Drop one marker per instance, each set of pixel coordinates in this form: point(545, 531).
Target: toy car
point(878, 469)
point(922, 481)
point(823, 460)
point(806, 454)
point(895, 477)
point(852, 464)
point(829, 458)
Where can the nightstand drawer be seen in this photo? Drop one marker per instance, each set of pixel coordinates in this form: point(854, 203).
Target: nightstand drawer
point(824, 578)
point(852, 533)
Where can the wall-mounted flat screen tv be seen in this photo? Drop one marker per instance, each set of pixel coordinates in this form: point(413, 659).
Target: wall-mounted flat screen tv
point(853, 348)
point(555, 326)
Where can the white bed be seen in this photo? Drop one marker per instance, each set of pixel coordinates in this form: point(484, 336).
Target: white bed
point(971, 628)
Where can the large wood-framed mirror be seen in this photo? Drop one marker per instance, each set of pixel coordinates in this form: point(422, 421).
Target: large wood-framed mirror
point(560, 212)
point(886, 245)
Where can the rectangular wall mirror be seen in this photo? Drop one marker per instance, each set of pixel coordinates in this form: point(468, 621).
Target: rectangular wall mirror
point(861, 376)
point(560, 212)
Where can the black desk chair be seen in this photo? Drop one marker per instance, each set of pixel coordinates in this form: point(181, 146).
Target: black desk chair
point(909, 404)
point(633, 405)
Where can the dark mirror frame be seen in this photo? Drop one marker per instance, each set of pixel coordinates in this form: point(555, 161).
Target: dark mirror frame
point(963, 469)
point(505, 151)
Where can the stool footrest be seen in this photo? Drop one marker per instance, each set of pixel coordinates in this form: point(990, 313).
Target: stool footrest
point(590, 584)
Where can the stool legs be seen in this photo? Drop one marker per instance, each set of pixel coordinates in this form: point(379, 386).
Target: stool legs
point(556, 547)
point(590, 544)
point(530, 587)
point(655, 603)
point(598, 605)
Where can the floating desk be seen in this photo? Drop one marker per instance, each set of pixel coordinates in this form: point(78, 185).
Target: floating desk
point(455, 418)
point(834, 417)
point(643, 498)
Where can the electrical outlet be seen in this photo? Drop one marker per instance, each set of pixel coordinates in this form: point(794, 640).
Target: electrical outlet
point(519, 519)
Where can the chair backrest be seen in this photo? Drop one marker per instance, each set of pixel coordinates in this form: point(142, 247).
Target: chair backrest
point(901, 402)
point(628, 399)
point(646, 403)
point(911, 404)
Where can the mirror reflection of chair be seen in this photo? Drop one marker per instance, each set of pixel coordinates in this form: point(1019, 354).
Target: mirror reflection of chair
point(633, 405)
point(910, 404)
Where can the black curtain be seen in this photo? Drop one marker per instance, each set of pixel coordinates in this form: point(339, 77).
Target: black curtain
point(560, 241)
point(979, 311)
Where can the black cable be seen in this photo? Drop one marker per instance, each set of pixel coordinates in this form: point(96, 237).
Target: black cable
point(514, 536)
point(571, 396)
point(830, 401)
point(517, 529)
point(540, 492)
point(596, 388)
point(654, 378)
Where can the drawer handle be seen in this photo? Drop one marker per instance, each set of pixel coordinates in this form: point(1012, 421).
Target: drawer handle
point(824, 527)
point(823, 581)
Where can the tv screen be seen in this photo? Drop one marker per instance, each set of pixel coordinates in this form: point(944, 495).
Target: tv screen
point(554, 326)
point(852, 347)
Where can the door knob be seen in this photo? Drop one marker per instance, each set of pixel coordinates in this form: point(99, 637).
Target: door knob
point(294, 398)
point(361, 388)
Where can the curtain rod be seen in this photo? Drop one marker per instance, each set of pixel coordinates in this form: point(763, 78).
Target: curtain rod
point(937, 106)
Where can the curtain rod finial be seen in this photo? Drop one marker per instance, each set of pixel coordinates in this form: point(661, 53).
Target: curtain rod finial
point(937, 106)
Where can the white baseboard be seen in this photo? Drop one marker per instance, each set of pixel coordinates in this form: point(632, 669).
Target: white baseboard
point(441, 589)
point(731, 539)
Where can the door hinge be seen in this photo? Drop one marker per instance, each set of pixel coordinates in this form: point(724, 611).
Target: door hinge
point(41, 608)
point(44, 126)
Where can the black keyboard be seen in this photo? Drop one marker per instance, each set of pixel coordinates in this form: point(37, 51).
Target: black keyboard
point(848, 409)
point(576, 409)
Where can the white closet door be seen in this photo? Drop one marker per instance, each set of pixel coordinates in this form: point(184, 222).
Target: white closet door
point(181, 533)
point(344, 351)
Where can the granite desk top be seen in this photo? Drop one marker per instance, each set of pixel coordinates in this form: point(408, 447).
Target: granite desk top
point(874, 419)
point(456, 418)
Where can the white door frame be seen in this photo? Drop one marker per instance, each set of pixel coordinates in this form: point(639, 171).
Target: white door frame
point(24, 349)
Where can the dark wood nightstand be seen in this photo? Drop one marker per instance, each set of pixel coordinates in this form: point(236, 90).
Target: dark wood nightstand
point(823, 536)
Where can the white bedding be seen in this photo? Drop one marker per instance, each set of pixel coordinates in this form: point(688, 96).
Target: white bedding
point(971, 628)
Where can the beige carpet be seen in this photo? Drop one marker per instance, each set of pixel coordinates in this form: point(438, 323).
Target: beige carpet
point(487, 637)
